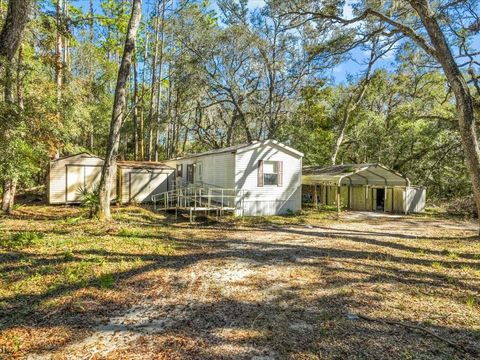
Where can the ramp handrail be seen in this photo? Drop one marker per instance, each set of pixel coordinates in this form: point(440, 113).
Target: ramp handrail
point(196, 196)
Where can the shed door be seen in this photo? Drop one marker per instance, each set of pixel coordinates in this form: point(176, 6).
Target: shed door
point(92, 177)
point(80, 177)
point(75, 182)
point(158, 184)
point(145, 184)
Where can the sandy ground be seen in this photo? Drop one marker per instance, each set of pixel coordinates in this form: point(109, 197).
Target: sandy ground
point(296, 292)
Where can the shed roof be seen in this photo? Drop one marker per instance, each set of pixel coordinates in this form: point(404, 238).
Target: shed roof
point(354, 174)
point(75, 155)
point(143, 165)
point(244, 147)
point(122, 164)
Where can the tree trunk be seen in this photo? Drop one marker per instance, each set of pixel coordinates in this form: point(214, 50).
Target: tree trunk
point(91, 131)
point(135, 110)
point(169, 111)
point(142, 108)
point(352, 104)
point(8, 90)
point(59, 50)
point(66, 41)
point(151, 108)
point(110, 164)
point(463, 96)
point(20, 78)
point(9, 185)
point(341, 133)
point(159, 89)
point(18, 14)
point(8, 198)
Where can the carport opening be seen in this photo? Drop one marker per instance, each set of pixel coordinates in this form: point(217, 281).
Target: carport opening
point(380, 205)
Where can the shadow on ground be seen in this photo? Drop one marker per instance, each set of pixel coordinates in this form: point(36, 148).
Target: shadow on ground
point(298, 295)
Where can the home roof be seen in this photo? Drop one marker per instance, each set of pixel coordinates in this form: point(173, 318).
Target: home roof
point(242, 148)
point(354, 174)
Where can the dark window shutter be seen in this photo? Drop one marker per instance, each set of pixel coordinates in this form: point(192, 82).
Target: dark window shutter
point(260, 173)
point(280, 173)
point(190, 174)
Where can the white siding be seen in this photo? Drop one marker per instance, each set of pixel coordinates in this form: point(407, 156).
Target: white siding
point(82, 169)
point(415, 199)
point(268, 199)
point(217, 169)
point(138, 185)
point(240, 170)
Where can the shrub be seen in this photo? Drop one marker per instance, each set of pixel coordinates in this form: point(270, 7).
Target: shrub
point(21, 239)
point(464, 206)
point(90, 198)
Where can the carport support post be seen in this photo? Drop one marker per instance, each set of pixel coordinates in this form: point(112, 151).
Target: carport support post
point(385, 200)
point(338, 199)
point(315, 196)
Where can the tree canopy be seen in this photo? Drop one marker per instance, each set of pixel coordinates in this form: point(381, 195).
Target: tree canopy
point(212, 74)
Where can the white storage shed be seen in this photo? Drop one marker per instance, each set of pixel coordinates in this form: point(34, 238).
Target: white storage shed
point(138, 181)
point(135, 181)
point(265, 176)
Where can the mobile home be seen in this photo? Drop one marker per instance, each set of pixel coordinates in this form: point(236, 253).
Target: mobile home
point(265, 176)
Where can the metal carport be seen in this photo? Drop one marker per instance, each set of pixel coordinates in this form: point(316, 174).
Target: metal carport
point(368, 177)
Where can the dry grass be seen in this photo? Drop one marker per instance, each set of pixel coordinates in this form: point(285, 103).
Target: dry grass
point(266, 288)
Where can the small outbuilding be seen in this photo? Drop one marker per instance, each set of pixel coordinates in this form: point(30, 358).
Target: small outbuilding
point(136, 181)
point(365, 187)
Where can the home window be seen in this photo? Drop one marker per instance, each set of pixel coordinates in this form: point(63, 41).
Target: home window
point(270, 173)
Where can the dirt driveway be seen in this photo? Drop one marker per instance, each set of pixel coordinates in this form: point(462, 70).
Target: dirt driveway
point(362, 287)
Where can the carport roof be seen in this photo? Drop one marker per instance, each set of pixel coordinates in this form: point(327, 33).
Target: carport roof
point(354, 174)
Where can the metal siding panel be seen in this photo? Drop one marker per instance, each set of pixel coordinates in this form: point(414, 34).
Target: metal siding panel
point(75, 182)
point(246, 178)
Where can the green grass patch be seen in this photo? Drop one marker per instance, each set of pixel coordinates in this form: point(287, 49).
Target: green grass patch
point(72, 254)
point(471, 301)
point(74, 220)
point(304, 217)
point(106, 281)
point(21, 239)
